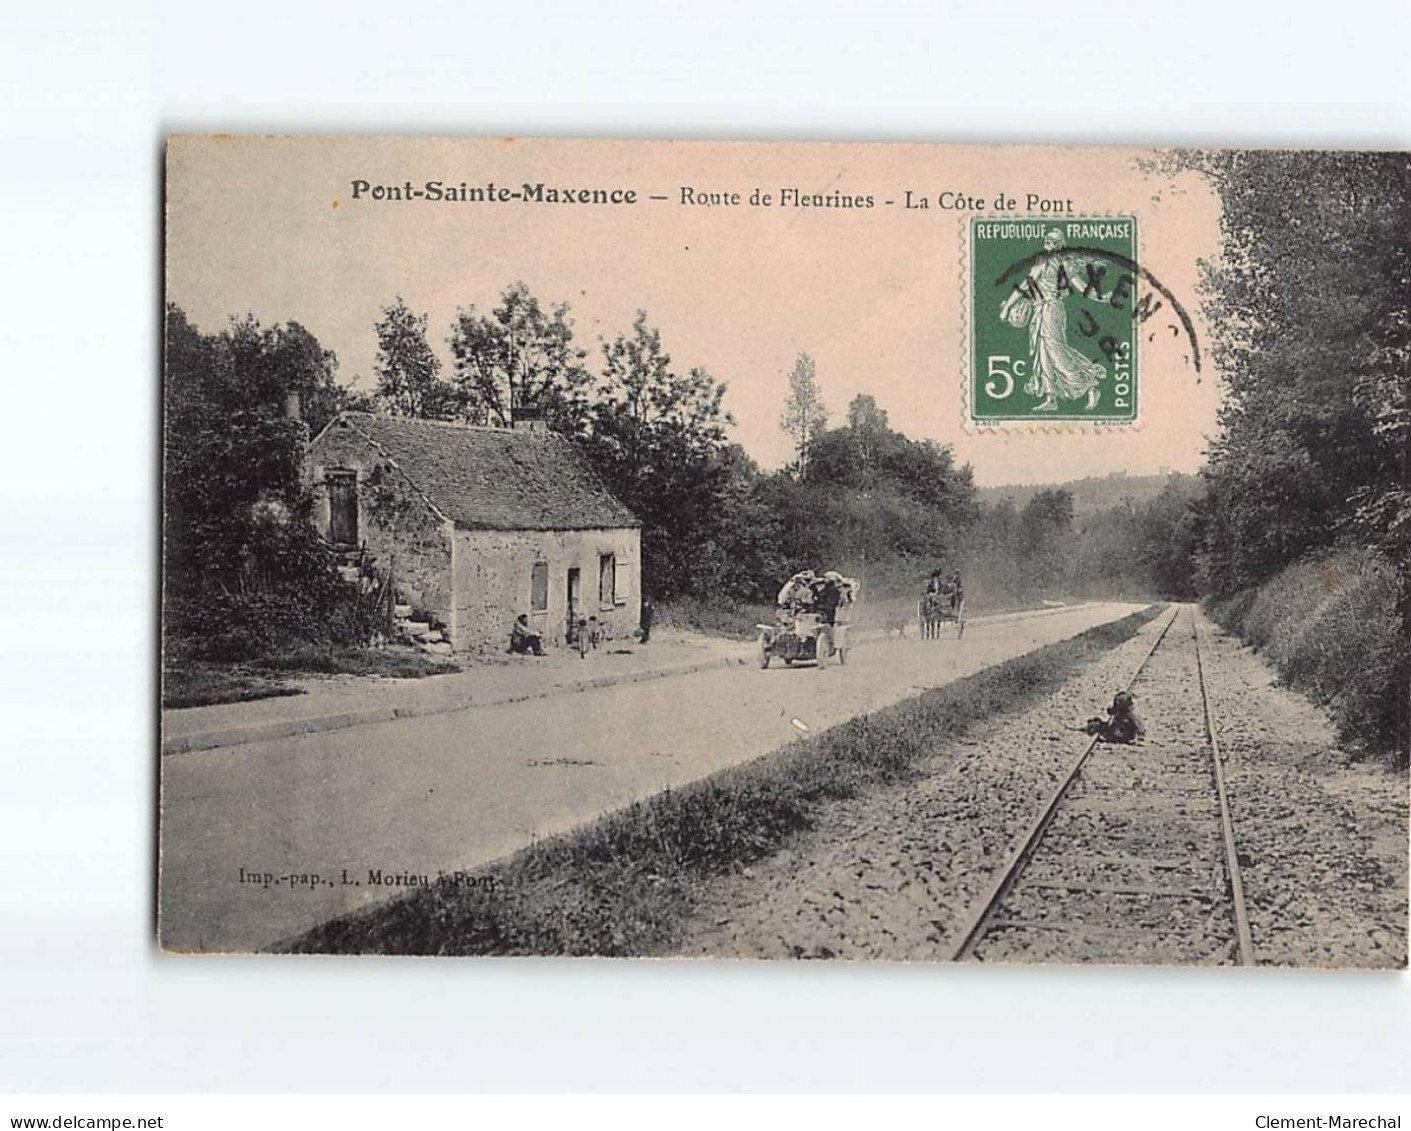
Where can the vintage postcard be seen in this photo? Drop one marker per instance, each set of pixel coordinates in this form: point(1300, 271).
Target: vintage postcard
point(803, 551)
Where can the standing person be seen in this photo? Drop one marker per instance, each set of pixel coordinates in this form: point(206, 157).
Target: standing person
point(957, 590)
point(647, 612)
point(827, 596)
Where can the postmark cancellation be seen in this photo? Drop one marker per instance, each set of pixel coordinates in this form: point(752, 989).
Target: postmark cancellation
point(1054, 311)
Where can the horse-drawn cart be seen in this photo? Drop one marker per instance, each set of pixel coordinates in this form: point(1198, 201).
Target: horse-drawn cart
point(935, 610)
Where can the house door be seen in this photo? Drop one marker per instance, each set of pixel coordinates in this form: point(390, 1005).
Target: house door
point(343, 508)
point(574, 587)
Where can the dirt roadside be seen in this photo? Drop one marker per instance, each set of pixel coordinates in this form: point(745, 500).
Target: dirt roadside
point(1323, 838)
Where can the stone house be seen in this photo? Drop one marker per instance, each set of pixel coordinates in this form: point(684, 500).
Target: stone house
point(479, 525)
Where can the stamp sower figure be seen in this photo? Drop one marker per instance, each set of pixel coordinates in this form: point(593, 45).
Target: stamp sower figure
point(1057, 369)
point(523, 639)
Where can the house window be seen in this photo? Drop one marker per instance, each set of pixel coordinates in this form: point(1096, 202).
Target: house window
point(607, 580)
point(343, 508)
point(539, 588)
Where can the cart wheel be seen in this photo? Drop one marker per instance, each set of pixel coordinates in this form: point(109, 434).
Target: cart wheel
point(823, 647)
point(763, 653)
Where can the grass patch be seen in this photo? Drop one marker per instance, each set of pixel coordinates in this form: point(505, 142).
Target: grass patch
point(392, 662)
point(1331, 627)
point(198, 683)
point(624, 885)
point(195, 684)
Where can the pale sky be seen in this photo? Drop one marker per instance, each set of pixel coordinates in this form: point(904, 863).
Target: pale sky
point(877, 296)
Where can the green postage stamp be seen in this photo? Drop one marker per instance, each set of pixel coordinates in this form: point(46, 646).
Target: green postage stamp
point(1054, 308)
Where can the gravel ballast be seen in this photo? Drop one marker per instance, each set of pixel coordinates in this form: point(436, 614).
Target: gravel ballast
point(1132, 869)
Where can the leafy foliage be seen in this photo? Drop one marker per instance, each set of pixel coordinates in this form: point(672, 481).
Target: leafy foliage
point(719, 531)
point(658, 437)
point(870, 497)
point(519, 357)
point(1330, 626)
point(1312, 336)
point(408, 371)
point(804, 415)
point(243, 567)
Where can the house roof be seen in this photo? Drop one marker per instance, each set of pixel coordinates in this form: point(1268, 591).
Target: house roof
point(495, 478)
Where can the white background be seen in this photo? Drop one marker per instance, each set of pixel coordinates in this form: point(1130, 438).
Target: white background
point(85, 1002)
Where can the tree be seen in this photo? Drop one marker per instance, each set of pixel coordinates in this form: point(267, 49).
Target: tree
point(868, 432)
point(737, 552)
point(875, 501)
point(241, 561)
point(1170, 526)
point(804, 415)
point(1045, 524)
point(656, 435)
point(519, 357)
point(408, 372)
point(1312, 337)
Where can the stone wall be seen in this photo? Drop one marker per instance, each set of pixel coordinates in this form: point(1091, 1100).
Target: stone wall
point(394, 521)
point(494, 571)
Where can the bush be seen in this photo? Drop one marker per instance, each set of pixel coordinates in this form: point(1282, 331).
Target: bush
point(717, 619)
point(282, 590)
point(1331, 628)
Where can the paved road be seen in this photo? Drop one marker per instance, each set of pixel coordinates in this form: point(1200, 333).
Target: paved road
point(455, 790)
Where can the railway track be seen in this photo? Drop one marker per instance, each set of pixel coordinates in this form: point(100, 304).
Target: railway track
point(1132, 858)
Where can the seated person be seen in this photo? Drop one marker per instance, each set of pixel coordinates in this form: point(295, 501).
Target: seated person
point(1122, 724)
point(523, 639)
point(797, 591)
point(796, 596)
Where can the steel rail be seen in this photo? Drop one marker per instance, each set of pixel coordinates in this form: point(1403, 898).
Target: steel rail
point(1000, 887)
point(1245, 952)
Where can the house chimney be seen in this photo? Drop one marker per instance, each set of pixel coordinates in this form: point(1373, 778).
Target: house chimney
point(527, 418)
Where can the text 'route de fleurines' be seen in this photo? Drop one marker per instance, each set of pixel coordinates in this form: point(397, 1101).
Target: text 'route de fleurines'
point(542, 192)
